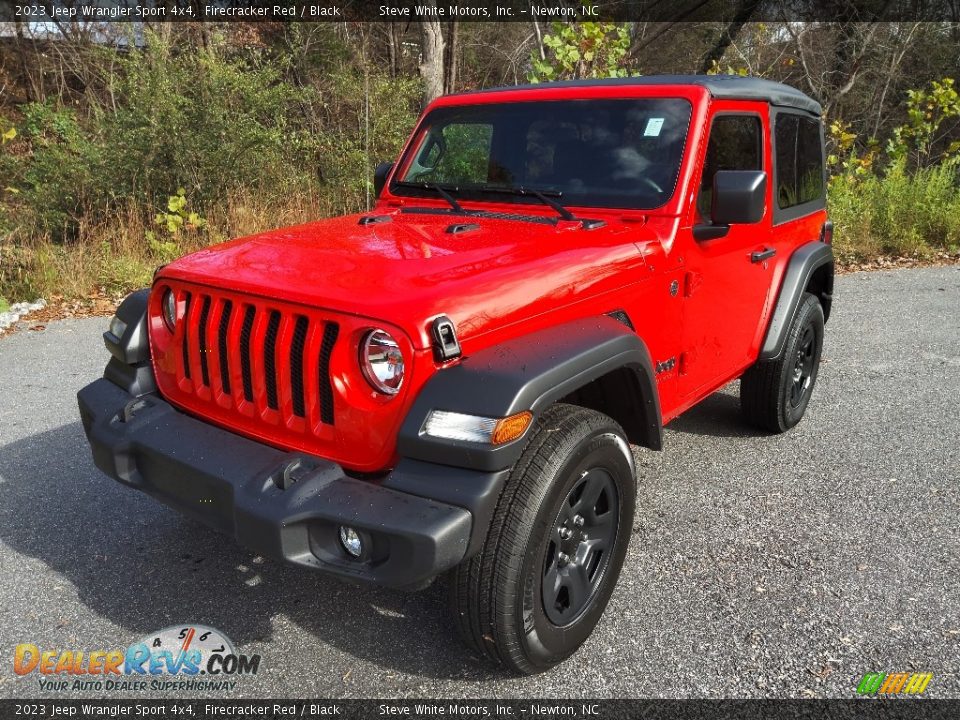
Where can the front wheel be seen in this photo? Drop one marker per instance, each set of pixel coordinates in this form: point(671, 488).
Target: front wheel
point(555, 546)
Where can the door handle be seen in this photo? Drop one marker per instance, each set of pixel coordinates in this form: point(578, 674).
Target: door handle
point(761, 255)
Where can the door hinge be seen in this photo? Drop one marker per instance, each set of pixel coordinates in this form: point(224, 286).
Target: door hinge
point(691, 281)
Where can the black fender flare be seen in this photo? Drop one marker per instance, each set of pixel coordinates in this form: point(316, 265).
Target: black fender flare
point(530, 373)
point(804, 262)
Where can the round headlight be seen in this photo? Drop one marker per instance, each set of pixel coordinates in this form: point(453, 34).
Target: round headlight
point(382, 362)
point(170, 309)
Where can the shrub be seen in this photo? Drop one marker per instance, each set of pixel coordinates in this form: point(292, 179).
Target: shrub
point(897, 213)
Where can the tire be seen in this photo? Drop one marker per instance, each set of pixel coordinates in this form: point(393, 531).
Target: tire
point(500, 597)
point(774, 394)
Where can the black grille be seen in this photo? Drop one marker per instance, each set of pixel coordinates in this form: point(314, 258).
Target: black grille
point(272, 352)
point(245, 353)
point(202, 340)
point(297, 348)
point(270, 359)
point(330, 332)
point(222, 346)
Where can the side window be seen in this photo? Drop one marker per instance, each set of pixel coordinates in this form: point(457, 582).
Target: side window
point(799, 160)
point(735, 144)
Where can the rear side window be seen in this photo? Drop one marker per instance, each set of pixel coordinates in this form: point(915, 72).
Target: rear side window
point(735, 144)
point(799, 160)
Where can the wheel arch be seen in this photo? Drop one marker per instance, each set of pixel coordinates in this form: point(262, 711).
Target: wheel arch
point(810, 269)
point(595, 362)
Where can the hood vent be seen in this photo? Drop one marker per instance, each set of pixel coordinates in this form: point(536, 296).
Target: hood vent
point(374, 219)
point(458, 228)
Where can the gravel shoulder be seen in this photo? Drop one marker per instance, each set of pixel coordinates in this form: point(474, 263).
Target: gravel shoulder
point(759, 566)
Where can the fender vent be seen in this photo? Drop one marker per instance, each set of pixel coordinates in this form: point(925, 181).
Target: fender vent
point(621, 316)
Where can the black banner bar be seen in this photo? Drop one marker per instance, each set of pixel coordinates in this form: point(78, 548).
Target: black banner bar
point(138, 11)
point(869, 709)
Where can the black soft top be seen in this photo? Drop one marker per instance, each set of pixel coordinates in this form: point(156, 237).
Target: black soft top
point(725, 87)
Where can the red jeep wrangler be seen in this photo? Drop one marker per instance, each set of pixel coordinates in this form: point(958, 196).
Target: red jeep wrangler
point(450, 381)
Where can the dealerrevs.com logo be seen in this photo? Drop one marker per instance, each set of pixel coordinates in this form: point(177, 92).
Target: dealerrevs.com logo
point(181, 657)
point(878, 683)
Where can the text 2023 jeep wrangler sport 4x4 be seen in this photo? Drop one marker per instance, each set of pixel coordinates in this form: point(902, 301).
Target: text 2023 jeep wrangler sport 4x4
point(450, 381)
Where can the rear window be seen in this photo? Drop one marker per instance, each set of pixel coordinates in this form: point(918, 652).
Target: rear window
point(799, 160)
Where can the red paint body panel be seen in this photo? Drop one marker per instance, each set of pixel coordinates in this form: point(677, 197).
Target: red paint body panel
point(501, 281)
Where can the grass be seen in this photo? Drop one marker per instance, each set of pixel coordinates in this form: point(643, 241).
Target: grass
point(114, 257)
point(897, 215)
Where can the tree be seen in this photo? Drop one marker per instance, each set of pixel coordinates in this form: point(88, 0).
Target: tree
point(432, 56)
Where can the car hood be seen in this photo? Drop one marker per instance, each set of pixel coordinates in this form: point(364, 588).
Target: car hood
point(414, 267)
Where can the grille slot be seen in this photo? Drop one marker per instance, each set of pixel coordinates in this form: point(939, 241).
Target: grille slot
point(245, 352)
point(186, 336)
point(297, 348)
point(202, 339)
point(270, 359)
point(330, 332)
point(222, 346)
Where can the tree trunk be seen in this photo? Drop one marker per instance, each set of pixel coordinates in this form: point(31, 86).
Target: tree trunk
point(431, 56)
point(26, 79)
point(450, 66)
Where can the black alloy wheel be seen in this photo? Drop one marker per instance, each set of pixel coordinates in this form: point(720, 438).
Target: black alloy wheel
point(578, 549)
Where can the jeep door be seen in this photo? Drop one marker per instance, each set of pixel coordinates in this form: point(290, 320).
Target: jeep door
point(728, 277)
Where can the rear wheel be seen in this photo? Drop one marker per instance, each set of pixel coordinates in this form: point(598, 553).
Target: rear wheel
point(774, 394)
point(555, 546)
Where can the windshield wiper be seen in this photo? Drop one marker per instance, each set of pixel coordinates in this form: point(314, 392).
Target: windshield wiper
point(440, 190)
point(544, 196)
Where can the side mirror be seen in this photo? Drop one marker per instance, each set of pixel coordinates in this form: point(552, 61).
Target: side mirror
point(739, 196)
point(380, 176)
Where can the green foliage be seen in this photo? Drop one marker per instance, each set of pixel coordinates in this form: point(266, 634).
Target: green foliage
point(582, 50)
point(175, 219)
point(211, 124)
point(355, 137)
point(922, 136)
point(897, 213)
point(717, 69)
point(4, 304)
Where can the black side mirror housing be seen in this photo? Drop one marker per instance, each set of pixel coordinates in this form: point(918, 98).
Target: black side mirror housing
point(739, 196)
point(380, 176)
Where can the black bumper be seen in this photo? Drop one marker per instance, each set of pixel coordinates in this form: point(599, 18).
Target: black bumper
point(234, 485)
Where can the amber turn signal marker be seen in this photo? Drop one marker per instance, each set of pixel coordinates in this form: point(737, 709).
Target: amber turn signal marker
point(510, 428)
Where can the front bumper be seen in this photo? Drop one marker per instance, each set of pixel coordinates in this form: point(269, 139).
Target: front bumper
point(236, 485)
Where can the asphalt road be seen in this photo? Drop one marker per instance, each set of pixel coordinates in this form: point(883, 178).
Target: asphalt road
point(759, 566)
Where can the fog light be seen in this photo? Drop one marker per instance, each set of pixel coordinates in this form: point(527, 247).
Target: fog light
point(351, 542)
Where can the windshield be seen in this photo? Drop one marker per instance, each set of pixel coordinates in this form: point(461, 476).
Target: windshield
point(621, 153)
